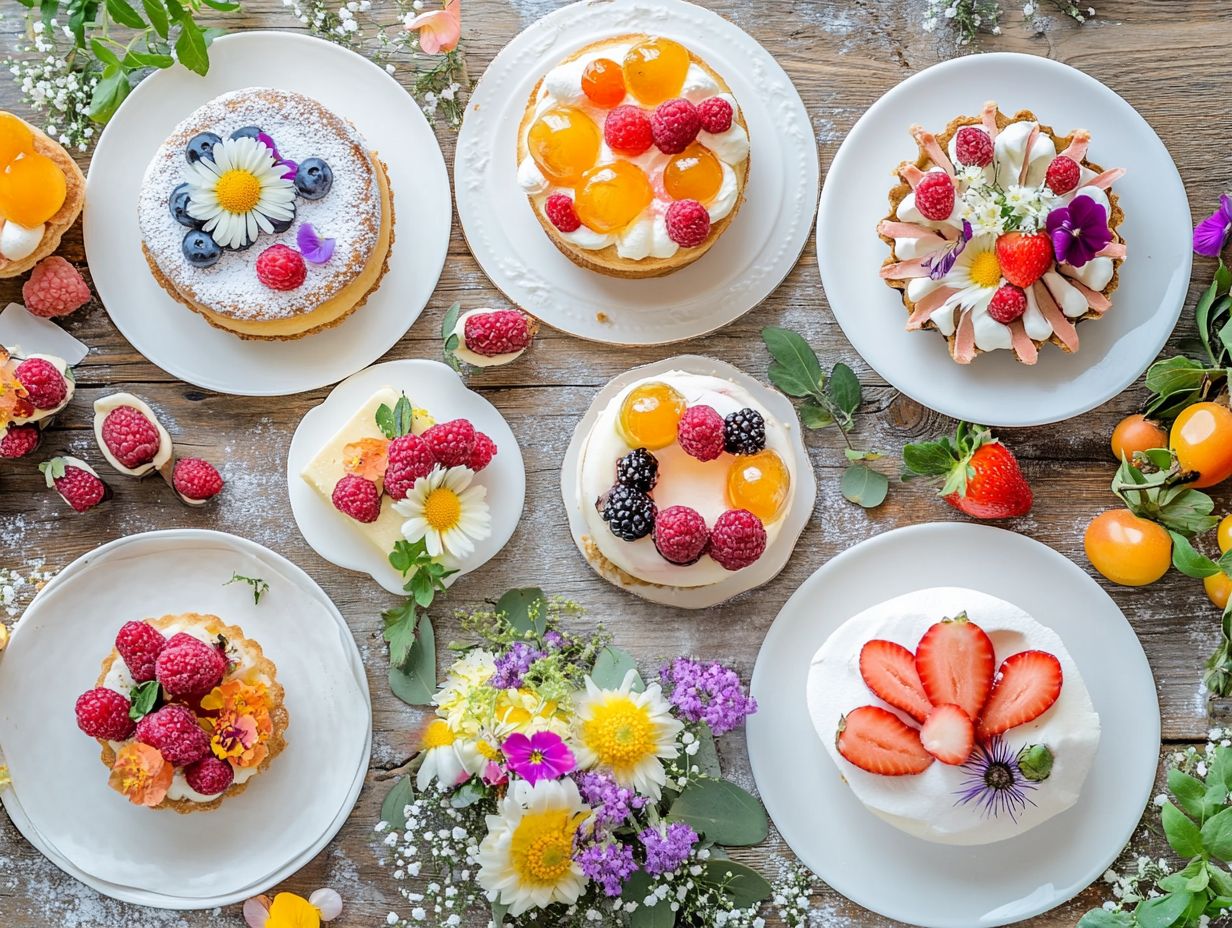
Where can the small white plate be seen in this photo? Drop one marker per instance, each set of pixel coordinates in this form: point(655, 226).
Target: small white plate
point(429, 385)
point(777, 406)
point(756, 252)
point(875, 864)
point(995, 389)
point(182, 342)
point(254, 840)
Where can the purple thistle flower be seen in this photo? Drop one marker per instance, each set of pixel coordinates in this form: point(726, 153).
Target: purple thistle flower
point(611, 803)
point(667, 848)
point(513, 665)
point(709, 693)
point(1212, 233)
point(942, 262)
point(1078, 231)
point(994, 782)
point(609, 864)
point(542, 756)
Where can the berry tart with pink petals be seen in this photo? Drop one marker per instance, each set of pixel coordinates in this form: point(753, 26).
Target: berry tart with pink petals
point(1003, 234)
point(187, 711)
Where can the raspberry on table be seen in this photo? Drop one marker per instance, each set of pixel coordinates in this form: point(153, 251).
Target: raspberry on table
point(715, 114)
point(560, 212)
point(196, 479)
point(972, 147)
point(680, 535)
point(934, 196)
point(629, 513)
point(627, 130)
point(189, 667)
point(43, 382)
point(139, 644)
point(700, 433)
point(503, 331)
point(358, 498)
point(281, 267)
point(688, 223)
point(209, 776)
point(451, 442)
point(482, 454)
point(737, 540)
point(174, 731)
point(638, 469)
point(19, 440)
point(103, 713)
point(55, 288)
point(674, 124)
point(744, 432)
point(130, 436)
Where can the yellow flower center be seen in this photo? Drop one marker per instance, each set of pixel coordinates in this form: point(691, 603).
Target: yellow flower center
point(238, 191)
point(985, 269)
point(542, 846)
point(620, 733)
point(442, 509)
point(487, 751)
point(438, 735)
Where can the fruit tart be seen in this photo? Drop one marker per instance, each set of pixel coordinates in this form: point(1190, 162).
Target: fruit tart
point(634, 155)
point(954, 716)
point(41, 194)
point(187, 711)
point(267, 214)
point(33, 389)
point(1003, 234)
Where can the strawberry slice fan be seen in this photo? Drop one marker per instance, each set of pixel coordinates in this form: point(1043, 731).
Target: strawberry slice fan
point(953, 689)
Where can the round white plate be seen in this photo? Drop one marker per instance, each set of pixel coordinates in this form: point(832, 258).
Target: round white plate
point(182, 342)
point(776, 557)
point(756, 252)
point(995, 389)
point(429, 385)
point(875, 864)
point(160, 858)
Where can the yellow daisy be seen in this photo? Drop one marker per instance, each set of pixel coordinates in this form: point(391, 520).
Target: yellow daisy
point(240, 193)
point(447, 512)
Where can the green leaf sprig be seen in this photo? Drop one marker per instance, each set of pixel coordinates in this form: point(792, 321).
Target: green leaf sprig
point(259, 586)
point(1156, 490)
point(408, 629)
point(144, 699)
point(396, 422)
point(449, 338)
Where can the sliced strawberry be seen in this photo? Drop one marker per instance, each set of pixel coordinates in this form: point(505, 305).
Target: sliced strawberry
point(889, 671)
point(1028, 683)
point(956, 663)
point(877, 740)
point(948, 734)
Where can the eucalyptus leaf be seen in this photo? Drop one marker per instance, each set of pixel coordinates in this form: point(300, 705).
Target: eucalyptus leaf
point(416, 683)
point(864, 486)
point(525, 609)
point(636, 889)
point(795, 369)
point(722, 811)
point(707, 757)
point(499, 912)
point(611, 666)
point(393, 806)
point(745, 886)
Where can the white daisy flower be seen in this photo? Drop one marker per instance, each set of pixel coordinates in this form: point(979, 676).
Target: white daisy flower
point(976, 275)
point(240, 193)
point(447, 512)
point(443, 758)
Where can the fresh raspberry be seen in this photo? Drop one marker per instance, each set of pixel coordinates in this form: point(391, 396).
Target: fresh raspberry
point(680, 534)
point(55, 288)
point(280, 267)
point(483, 452)
point(674, 125)
point(189, 667)
point(688, 223)
point(1007, 304)
point(173, 730)
point(196, 479)
point(627, 130)
point(716, 115)
point(700, 433)
point(80, 488)
point(140, 643)
point(934, 196)
point(209, 776)
point(43, 381)
point(559, 207)
point(451, 442)
point(358, 498)
point(409, 459)
point(737, 540)
point(500, 332)
point(973, 147)
point(130, 437)
point(19, 441)
point(103, 713)
point(179, 639)
point(1063, 175)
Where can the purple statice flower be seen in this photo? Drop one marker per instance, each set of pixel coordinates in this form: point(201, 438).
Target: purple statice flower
point(667, 848)
point(611, 803)
point(292, 167)
point(1212, 233)
point(994, 782)
point(314, 248)
point(709, 693)
point(942, 262)
point(553, 640)
point(1078, 231)
point(513, 665)
point(608, 863)
point(542, 756)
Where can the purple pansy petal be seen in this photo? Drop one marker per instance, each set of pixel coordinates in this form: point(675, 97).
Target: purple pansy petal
point(292, 168)
point(1079, 231)
point(1211, 234)
point(314, 248)
point(268, 142)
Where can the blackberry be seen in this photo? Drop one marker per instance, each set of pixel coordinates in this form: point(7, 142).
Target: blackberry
point(629, 513)
point(638, 469)
point(744, 432)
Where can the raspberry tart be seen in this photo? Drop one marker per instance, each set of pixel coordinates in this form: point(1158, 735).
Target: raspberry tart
point(634, 155)
point(1003, 234)
point(267, 214)
point(954, 716)
point(187, 711)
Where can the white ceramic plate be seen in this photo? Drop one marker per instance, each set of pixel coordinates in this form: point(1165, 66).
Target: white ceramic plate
point(875, 864)
point(432, 386)
point(756, 252)
point(774, 560)
point(182, 342)
point(996, 389)
point(160, 858)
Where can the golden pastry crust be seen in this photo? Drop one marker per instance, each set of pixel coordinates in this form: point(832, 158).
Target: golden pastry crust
point(213, 626)
point(1061, 142)
point(607, 260)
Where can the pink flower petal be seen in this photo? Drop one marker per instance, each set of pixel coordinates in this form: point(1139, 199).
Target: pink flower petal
point(256, 911)
point(328, 903)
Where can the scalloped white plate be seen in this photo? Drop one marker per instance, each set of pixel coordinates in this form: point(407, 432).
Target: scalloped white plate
point(747, 264)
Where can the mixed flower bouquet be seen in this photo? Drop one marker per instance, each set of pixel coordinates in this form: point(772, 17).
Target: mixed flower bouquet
point(554, 786)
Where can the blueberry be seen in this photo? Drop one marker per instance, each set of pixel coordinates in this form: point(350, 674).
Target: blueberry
point(200, 249)
point(313, 179)
point(281, 225)
point(178, 204)
point(248, 132)
point(201, 146)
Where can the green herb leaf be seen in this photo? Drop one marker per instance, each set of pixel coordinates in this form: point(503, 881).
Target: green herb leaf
point(611, 666)
point(499, 912)
point(108, 94)
point(403, 417)
point(144, 698)
point(468, 793)
point(745, 886)
point(416, 684)
point(135, 60)
point(864, 486)
point(156, 13)
point(1162, 911)
point(259, 586)
point(814, 415)
point(722, 811)
point(400, 625)
point(103, 53)
point(1217, 835)
point(393, 806)
point(1189, 792)
point(1190, 562)
point(1180, 831)
point(854, 454)
point(123, 13)
point(525, 609)
point(1103, 918)
point(1202, 311)
point(190, 46)
point(795, 369)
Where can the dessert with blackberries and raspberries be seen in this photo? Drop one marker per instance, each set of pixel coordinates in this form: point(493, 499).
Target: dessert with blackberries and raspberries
point(33, 389)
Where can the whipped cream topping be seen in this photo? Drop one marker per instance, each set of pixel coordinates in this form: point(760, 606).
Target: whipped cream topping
point(926, 806)
point(17, 242)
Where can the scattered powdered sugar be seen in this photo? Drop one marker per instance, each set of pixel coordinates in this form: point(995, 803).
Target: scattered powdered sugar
point(18, 585)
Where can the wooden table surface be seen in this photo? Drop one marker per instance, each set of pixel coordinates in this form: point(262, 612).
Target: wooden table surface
point(1167, 58)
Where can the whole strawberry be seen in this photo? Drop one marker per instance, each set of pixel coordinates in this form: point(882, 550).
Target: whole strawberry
point(1024, 256)
point(981, 475)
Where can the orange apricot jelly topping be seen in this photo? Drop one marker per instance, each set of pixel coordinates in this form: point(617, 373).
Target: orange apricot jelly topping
point(603, 82)
point(655, 70)
point(650, 415)
point(612, 195)
point(32, 187)
point(759, 483)
point(694, 174)
point(564, 142)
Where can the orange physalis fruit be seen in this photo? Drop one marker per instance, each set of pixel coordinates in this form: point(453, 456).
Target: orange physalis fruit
point(564, 142)
point(650, 415)
point(32, 190)
point(759, 483)
point(15, 139)
point(612, 195)
point(367, 458)
point(694, 174)
point(603, 82)
point(655, 70)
